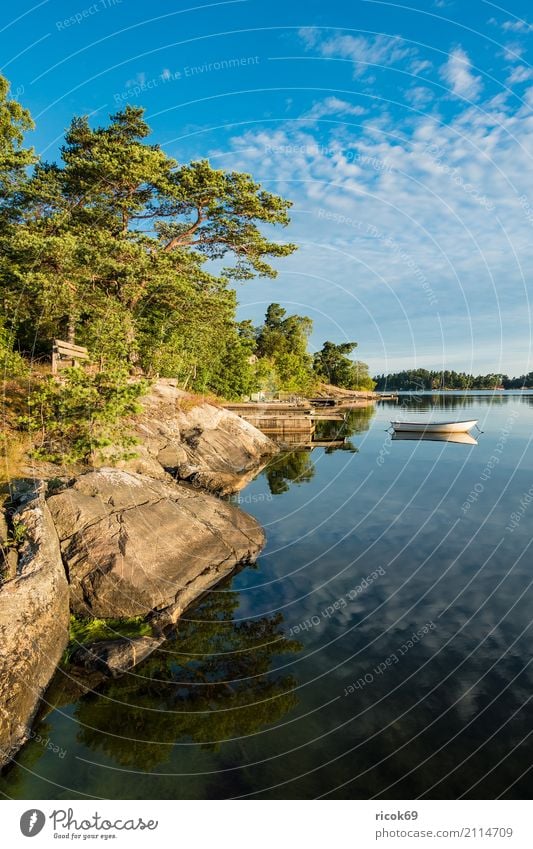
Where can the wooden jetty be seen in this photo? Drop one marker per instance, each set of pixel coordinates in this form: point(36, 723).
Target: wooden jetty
point(290, 425)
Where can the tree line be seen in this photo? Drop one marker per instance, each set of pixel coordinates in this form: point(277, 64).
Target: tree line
point(422, 379)
point(120, 248)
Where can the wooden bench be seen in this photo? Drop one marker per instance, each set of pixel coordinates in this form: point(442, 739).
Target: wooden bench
point(65, 354)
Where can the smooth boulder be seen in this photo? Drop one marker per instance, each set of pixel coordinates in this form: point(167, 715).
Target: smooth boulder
point(132, 545)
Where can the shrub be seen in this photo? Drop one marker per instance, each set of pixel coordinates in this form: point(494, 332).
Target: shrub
point(74, 418)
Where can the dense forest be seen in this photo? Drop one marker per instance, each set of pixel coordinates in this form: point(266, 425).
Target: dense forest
point(121, 249)
point(422, 379)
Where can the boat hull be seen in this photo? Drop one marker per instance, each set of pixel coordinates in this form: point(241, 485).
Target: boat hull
point(433, 427)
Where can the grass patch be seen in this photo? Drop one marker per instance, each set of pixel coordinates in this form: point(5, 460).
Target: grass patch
point(87, 631)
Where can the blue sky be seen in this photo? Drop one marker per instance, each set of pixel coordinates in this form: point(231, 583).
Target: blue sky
point(403, 134)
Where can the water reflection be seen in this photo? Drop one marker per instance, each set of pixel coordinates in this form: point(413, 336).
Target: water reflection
point(212, 682)
point(297, 467)
point(452, 716)
point(421, 436)
point(454, 400)
point(338, 433)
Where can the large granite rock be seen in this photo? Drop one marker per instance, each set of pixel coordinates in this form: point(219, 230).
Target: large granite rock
point(204, 444)
point(34, 620)
point(132, 544)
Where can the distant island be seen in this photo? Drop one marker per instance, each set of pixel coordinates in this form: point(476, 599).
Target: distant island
point(422, 379)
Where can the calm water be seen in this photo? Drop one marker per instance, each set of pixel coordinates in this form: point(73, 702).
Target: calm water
point(366, 547)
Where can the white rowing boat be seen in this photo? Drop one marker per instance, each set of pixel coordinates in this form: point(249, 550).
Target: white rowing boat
point(434, 427)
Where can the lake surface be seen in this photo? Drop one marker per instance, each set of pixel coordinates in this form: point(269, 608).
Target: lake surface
point(382, 646)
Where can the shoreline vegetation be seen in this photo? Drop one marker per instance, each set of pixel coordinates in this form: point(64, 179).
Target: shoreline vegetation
point(413, 380)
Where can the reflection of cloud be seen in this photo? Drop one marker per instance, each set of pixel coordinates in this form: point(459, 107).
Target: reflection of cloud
point(458, 74)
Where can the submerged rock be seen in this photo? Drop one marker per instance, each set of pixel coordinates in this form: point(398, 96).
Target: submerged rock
point(114, 657)
point(132, 544)
point(34, 620)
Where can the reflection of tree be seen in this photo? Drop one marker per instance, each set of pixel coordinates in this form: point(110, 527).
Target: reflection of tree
point(355, 421)
point(13, 779)
point(209, 683)
point(448, 401)
point(296, 467)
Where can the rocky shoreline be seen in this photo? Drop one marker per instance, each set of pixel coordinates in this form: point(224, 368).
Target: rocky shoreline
point(143, 537)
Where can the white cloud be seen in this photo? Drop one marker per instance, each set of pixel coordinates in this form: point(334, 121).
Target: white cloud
point(458, 74)
point(381, 214)
point(333, 106)
point(419, 66)
point(520, 74)
point(364, 52)
point(516, 26)
point(419, 95)
point(139, 79)
point(513, 52)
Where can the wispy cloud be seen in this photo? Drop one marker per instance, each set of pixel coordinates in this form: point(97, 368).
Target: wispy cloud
point(516, 26)
point(457, 72)
point(391, 204)
point(513, 52)
point(333, 106)
point(138, 79)
point(520, 74)
point(419, 95)
point(419, 66)
point(364, 52)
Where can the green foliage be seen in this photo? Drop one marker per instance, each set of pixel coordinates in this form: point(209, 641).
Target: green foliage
point(72, 419)
point(363, 381)
point(333, 365)
point(421, 379)
point(14, 158)
point(17, 534)
point(525, 381)
point(236, 375)
point(12, 365)
point(110, 250)
point(282, 341)
point(266, 376)
point(86, 631)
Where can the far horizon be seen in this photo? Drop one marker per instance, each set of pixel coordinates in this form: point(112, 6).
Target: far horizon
point(440, 370)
